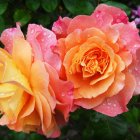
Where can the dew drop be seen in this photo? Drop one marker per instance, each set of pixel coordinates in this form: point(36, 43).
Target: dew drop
point(2, 94)
point(45, 34)
point(97, 15)
point(88, 35)
point(109, 103)
point(70, 93)
point(114, 105)
point(42, 40)
point(136, 68)
point(49, 36)
point(32, 31)
point(108, 107)
point(118, 20)
point(12, 78)
point(63, 94)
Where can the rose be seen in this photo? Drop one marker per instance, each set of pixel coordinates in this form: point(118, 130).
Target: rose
point(100, 55)
point(32, 97)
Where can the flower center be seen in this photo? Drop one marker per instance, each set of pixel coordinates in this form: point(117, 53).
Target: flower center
point(93, 61)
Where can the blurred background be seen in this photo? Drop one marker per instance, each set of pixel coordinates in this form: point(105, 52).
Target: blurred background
point(83, 124)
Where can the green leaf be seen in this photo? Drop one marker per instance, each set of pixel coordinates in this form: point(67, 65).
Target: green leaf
point(110, 128)
point(44, 20)
point(104, 0)
point(78, 6)
point(22, 16)
point(19, 136)
point(33, 4)
point(2, 24)
point(35, 136)
point(49, 5)
point(3, 7)
point(133, 116)
point(119, 5)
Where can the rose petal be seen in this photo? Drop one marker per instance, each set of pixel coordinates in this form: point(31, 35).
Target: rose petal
point(85, 22)
point(11, 74)
point(22, 55)
point(89, 91)
point(43, 42)
point(9, 35)
point(117, 104)
point(117, 14)
point(60, 26)
point(40, 84)
point(63, 91)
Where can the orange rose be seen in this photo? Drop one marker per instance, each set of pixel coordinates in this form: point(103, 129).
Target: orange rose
point(31, 93)
point(98, 55)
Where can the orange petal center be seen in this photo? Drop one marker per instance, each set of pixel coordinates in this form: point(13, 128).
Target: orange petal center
point(93, 61)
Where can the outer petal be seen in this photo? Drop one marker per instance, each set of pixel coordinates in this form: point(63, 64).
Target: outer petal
point(89, 103)
point(26, 124)
point(40, 84)
point(60, 26)
point(22, 55)
point(9, 35)
point(128, 36)
point(63, 91)
point(44, 102)
point(85, 22)
point(12, 107)
point(117, 104)
point(135, 69)
point(11, 74)
point(43, 42)
point(117, 14)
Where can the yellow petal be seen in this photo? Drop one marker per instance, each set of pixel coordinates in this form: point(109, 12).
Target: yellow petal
point(11, 74)
point(7, 90)
point(17, 101)
point(22, 55)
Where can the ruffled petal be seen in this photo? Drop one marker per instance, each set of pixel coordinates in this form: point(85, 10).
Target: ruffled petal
point(117, 14)
point(11, 74)
point(117, 104)
point(60, 26)
point(9, 35)
point(63, 91)
point(43, 43)
point(22, 55)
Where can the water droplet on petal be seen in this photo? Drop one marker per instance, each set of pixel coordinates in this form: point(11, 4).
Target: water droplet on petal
point(42, 40)
point(136, 68)
point(63, 94)
point(2, 94)
point(49, 36)
point(88, 35)
point(97, 15)
point(32, 31)
point(114, 105)
point(45, 34)
point(70, 93)
point(108, 107)
point(109, 103)
point(118, 20)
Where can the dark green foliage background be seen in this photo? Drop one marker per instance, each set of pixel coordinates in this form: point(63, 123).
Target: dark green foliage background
point(83, 124)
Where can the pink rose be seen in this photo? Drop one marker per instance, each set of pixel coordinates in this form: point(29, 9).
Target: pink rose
point(33, 98)
point(100, 55)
